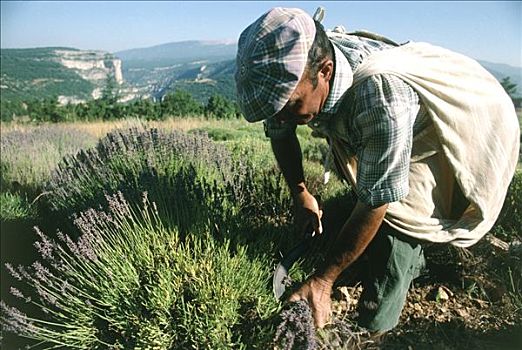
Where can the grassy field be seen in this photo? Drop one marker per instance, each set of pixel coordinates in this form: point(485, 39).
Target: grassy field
point(164, 235)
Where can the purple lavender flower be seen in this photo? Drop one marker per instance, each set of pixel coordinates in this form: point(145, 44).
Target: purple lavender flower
point(296, 330)
point(42, 273)
point(73, 247)
point(86, 248)
point(24, 273)
point(118, 204)
point(13, 272)
point(45, 246)
point(14, 291)
point(15, 321)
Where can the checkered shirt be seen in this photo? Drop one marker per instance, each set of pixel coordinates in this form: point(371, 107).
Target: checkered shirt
point(376, 120)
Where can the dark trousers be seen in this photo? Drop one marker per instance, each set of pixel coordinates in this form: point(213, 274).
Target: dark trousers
point(394, 260)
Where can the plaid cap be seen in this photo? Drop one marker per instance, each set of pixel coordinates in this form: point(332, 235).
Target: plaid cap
point(271, 58)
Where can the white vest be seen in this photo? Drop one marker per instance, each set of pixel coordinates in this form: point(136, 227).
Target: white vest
point(473, 143)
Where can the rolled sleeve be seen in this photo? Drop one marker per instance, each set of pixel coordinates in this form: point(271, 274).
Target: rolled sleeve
point(385, 125)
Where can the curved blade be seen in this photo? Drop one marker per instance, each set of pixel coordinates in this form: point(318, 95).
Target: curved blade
point(281, 272)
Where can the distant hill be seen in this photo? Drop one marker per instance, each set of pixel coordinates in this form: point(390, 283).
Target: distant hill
point(500, 71)
point(177, 53)
point(36, 72)
point(67, 73)
point(202, 68)
point(202, 81)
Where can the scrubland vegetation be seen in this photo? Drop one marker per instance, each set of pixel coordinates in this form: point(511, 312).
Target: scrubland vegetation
point(163, 234)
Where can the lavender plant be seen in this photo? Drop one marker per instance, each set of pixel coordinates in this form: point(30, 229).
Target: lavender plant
point(196, 182)
point(188, 175)
point(130, 282)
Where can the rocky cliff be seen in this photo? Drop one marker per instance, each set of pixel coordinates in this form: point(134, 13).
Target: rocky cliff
point(93, 66)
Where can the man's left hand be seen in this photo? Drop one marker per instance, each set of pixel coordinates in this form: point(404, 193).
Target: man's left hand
point(316, 292)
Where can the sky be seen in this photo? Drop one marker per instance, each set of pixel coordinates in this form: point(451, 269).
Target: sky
point(484, 30)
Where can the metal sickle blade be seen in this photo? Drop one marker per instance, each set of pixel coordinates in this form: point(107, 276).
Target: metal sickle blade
point(281, 271)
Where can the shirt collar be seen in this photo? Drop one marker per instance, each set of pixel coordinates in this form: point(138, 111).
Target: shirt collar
point(342, 81)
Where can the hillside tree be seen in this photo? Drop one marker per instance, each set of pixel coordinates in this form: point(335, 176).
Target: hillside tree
point(509, 86)
point(221, 108)
point(180, 103)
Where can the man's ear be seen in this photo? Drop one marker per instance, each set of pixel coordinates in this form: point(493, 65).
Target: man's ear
point(327, 69)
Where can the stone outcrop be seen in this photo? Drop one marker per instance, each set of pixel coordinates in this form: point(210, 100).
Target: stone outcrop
point(94, 66)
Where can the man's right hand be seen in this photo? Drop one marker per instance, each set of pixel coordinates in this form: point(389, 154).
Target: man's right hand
point(307, 213)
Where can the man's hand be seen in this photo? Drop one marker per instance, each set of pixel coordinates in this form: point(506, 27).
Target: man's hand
point(308, 214)
point(356, 234)
point(316, 292)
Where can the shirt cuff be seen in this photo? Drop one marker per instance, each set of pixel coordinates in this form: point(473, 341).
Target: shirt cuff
point(375, 198)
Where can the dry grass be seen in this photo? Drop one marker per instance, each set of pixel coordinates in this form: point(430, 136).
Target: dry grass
point(101, 128)
point(96, 129)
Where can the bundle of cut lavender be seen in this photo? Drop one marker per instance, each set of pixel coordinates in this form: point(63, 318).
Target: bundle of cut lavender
point(296, 330)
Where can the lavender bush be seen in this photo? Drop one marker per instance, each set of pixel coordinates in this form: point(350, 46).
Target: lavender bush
point(188, 175)
point(131, 282)
point(196, 182)
point(214, 200)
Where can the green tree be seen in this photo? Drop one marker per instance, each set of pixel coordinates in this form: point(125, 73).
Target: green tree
point(85, 112)
point(46, 110)
point(109, 92)
point(221, 108)
point(179, 103)
point(11, 109)
point(77, 111)
point(108, 103)
point(509, 86)
point(145, 108)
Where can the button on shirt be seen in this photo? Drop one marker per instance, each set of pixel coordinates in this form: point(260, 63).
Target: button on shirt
point(376, 121)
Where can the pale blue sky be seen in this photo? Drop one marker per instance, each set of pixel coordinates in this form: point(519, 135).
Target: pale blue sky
point(484, 30)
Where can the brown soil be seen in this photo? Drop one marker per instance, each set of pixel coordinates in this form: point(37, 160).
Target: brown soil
point(468, 299)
